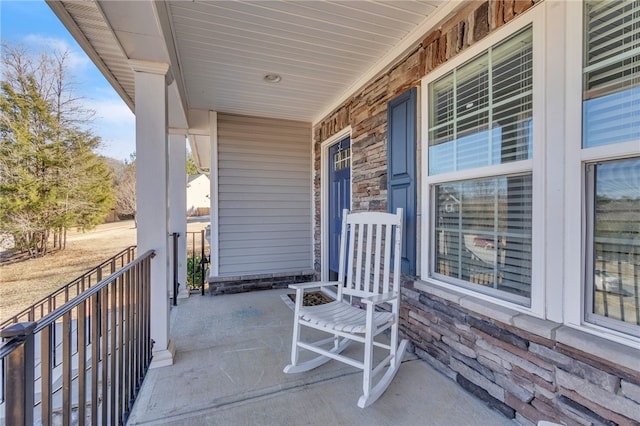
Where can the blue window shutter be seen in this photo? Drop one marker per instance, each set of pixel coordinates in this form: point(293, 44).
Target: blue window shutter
point(401, 170)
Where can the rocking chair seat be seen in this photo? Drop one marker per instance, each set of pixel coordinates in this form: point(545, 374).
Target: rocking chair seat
point(341, 316)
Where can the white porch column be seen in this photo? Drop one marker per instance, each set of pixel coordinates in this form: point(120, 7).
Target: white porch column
point(152, 195)
point(178, 203)
point(213, 197)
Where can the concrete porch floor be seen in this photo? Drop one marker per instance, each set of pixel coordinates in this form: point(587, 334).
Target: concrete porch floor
point(230, 352)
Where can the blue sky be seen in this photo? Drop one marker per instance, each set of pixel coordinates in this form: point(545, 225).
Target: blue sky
point(31, 23)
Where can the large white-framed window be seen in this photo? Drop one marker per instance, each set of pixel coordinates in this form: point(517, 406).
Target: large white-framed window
point(482, 148)
point(610, 162)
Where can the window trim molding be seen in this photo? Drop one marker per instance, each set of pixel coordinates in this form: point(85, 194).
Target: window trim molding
point(574, 177)
point(535, 165)
point(609, 152)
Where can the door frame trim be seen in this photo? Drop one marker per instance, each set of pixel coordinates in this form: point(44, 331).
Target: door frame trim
point(324, 197)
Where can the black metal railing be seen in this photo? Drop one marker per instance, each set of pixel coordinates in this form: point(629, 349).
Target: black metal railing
point(198, 257)
point(84, 362)
point(174, 257)
point(616, 280)
point(72, 289)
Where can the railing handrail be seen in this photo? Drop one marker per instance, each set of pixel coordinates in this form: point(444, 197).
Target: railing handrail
point(51, 317)
point(14, 318)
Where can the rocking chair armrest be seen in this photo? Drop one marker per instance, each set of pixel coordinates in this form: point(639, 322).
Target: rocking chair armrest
point(381, 298)
point(315, 284)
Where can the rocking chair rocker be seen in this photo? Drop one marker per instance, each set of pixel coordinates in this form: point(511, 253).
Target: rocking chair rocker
point(364, 273)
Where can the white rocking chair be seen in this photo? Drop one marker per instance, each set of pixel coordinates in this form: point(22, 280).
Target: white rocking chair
point(367, 275)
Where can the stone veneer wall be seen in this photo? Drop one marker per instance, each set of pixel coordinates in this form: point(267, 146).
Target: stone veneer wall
point(528, 369)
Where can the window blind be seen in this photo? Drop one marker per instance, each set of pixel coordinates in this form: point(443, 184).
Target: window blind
point(611, 72)
point(480, 112)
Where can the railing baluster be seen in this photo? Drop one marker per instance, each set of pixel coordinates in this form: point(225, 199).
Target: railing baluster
point(143, 306)
point(126, 343)
point(131, 342)
point(3, 390)
point(619, 289)
point(136, 337)
point(113, 335)
point(605, 301)
point(202, 262)
point(122, 346)
point(82, 362)
point(66, 368)
point(95, 355)
point(89, 321)
point(45, 374)
point(104, 343)
point(174, 266)
point(193, 256)
point(54, 345)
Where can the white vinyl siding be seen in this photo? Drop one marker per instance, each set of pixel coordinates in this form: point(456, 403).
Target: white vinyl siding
point(264, 195)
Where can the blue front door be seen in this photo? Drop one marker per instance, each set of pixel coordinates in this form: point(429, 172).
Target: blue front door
point(339, 198)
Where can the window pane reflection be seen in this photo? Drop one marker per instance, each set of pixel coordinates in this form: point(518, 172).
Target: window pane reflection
point(616, 240)
point(483, 234)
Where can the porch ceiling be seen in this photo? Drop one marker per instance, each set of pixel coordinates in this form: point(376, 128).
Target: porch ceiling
point(220, 51)
point(319, 49)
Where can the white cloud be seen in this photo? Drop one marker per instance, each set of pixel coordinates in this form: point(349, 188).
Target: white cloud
point(110, 110)
point(115, 124)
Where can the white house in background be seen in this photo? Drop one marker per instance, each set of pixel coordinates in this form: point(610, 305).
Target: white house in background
point(198, 190)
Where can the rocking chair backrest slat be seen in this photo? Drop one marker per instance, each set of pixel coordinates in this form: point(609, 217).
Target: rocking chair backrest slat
point(397, 259)
point(350, 255)
point(367, 266)
point(387, 255)
point(359, 254)
point(368, 284)
point(376, 271)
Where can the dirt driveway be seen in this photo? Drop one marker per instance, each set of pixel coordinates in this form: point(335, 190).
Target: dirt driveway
point(24, 283)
